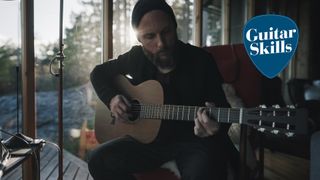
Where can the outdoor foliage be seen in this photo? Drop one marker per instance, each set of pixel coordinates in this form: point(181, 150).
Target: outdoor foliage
point(82, 45)
point(8, 60)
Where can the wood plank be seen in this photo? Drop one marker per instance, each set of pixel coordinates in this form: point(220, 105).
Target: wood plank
point(82, 174)
point(47, 170)
point(73, 167)
point(71, 171)
point(279, 165)
point(15, 174)
point(55, 173)
point(46, 160)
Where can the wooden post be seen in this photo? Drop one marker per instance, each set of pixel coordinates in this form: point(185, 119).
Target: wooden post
point(28, 81)
point(107, 35)
point(198, 23)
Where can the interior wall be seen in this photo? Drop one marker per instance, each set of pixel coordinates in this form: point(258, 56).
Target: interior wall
point(301, 64)
point(314, 65)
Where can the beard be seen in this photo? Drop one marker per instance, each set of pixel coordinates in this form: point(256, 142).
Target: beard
point(163, 59)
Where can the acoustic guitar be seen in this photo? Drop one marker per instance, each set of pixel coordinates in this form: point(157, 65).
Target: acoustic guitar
point(148, 111)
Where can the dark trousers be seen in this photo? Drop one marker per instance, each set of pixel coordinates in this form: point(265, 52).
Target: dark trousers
point(120, 158)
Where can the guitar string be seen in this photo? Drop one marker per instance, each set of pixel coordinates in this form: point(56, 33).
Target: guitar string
point(154, 110)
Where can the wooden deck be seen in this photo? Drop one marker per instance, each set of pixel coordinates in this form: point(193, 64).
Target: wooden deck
point(278, 166)
point(73, 167)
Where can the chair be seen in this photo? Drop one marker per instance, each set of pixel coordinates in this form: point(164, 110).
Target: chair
point(254, 90)
point(298, 95)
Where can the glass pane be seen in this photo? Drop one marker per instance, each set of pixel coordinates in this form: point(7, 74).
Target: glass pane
point(184, 11)
point(237, 20)
point(212, 23)
point(122, 40)
point(82, 50)
point(10, 57)
point(122, 10)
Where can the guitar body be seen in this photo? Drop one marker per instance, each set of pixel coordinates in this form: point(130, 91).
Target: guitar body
point(143, 130)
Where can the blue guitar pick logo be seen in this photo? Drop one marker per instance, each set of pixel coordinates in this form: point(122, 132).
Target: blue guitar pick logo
point(270, 41)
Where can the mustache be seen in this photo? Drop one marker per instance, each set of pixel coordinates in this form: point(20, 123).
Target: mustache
point(163, 51)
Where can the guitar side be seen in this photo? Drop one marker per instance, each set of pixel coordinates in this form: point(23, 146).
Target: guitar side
point(143, 130)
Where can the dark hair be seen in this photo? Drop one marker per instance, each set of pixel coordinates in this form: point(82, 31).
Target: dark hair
point(144, 6)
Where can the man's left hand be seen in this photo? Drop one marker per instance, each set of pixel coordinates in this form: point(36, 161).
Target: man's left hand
point(204, 125)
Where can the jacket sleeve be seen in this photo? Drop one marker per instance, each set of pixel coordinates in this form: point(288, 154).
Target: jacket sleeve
point(102, 77)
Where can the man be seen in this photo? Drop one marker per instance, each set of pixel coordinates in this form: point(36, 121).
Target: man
point(189, 76)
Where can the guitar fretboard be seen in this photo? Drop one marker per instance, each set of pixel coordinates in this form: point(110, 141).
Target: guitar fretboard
point(189, 113)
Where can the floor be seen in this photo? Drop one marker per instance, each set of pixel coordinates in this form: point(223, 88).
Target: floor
point(278, 166)
point(73, 167)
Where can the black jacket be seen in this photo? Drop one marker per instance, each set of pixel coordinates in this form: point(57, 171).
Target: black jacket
point(195, 80)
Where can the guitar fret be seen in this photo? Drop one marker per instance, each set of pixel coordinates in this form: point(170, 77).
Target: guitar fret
point(150, 111)
point(178, 113)
point(240, 115)
point(147, 111)
point(235, 115)
point(182, 112)
point(155, 111)
point(141, 111)
point(172, 112)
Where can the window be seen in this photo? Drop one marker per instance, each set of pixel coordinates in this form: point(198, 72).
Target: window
point(123, 35)
point(212, 23)
point(82, 50)
point(10, 57)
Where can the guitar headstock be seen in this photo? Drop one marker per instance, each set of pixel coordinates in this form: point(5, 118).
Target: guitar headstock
point(277, 120)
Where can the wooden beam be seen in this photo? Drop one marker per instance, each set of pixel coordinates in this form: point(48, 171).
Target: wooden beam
point(225, 22)
point(198, 23)
point(107, 35)
point(28, 80)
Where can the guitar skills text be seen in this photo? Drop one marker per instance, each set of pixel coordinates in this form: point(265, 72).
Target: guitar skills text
point(273, 41)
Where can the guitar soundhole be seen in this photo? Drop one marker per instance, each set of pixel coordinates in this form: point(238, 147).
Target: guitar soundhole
point(135, 110)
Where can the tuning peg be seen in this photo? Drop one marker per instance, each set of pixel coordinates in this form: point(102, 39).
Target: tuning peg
point(275, 131)
point(291, 106)
point(277, 106)
point(261, 129)
point(263, 106)
point(289, 134)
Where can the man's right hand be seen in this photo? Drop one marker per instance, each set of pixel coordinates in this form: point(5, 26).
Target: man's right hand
point(120, 108)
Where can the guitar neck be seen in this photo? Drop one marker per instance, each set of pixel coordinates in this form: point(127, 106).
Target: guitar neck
point(188, 113)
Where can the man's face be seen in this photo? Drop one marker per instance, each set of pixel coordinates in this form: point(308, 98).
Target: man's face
point(157, 34)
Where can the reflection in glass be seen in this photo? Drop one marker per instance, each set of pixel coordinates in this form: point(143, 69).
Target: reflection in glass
point(82, 50)
point(10, 57)
point(212, 23)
